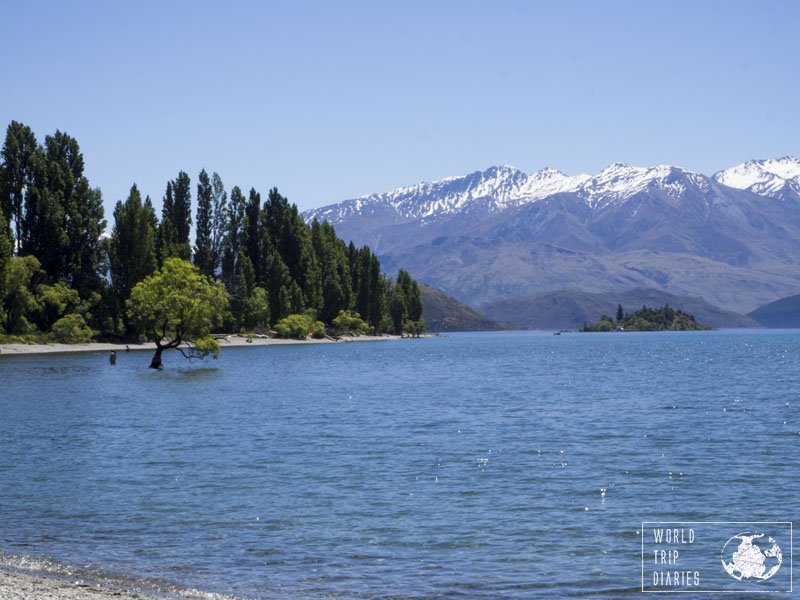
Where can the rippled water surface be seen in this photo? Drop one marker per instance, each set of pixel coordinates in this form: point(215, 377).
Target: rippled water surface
point(471, 465)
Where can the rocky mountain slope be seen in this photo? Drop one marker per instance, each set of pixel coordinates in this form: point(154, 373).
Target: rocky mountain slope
point(732, 239)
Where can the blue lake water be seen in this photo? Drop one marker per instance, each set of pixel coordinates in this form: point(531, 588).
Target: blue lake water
point(513, 464)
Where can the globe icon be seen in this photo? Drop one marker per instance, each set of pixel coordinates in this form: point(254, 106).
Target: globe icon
point(747, 556)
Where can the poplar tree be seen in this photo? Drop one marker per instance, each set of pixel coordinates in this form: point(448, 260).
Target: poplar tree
point(203, 257)
point(292, 240)
point(64, 216)
point(176, 220)
point(16, 174)
point(253, 234)
point(377, 294)
point(232, 242)
point(277, 280)
point(132, 251)
point(5, 258)
point(43, 222)
point(182, 214)
point(271, 263)
point(219, 219)
point(397, 308)
point(331, 255)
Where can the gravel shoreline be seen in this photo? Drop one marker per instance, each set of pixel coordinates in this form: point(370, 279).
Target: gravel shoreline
point(231, 341)
point(16, 586)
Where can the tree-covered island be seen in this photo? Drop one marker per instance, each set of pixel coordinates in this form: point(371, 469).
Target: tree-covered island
point(665, 318)
point(66, 276)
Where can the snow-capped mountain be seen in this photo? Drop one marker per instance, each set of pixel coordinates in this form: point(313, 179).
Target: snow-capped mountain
point(733, 239)
point(500, 188)
point(765, 177)
point(619, 182)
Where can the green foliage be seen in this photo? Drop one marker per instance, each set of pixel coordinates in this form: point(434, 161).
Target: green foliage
point(256, 309)
point(202, 258)
point(350, 322)
point(649, 319)
point(54, 302)
point(219, 219)
point(291, 238)
point(176, 220)
point(318, 330)
point(604, 323)
point(271, 263)
point(398, 310)
point(132, 248)
point(66, 237)
point(206, 345)
point(405, 306)
point(253, 233)
point(5, 260)
point(335, 279)
point(414, 328)
point(71, 329)
point(19, 154)
point(299, 327)
point(233, 240)
point(19, 301)
point(177, 304)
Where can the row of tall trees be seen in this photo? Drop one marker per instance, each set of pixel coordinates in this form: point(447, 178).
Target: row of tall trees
point(55, 262)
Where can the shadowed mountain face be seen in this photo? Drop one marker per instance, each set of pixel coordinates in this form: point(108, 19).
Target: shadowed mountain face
point(445, 313)
point(732, 239)
point(781, 313)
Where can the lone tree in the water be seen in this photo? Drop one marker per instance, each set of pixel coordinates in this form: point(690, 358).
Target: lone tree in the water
point(175, 306)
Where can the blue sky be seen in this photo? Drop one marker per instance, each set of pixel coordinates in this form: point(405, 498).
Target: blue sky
point(331, 100)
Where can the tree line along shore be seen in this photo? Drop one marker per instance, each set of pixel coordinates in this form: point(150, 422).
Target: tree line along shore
point(63, 278)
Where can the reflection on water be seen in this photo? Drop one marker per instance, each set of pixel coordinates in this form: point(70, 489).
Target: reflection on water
point(480, 465)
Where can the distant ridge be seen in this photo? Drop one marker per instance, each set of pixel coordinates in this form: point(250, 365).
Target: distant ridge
point(444, 313)
point(781, 313)
point(732, 239)
point(567, 309)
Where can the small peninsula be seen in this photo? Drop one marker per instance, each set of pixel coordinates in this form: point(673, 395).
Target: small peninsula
point(648, 319)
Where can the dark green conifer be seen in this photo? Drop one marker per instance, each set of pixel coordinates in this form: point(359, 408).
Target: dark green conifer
point(203, 258)
point(17, 174)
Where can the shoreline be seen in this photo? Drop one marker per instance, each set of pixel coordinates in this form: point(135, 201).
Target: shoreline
point(16, 584)
point(230, 341)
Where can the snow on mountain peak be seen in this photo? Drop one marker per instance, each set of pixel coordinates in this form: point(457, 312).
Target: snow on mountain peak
point(620, 181)
point(504, 186)
point(551, 181)
point(762, 176)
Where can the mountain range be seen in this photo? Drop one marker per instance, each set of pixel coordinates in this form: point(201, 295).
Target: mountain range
point(732, 239)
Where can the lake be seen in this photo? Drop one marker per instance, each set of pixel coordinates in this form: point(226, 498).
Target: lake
point(487, 465)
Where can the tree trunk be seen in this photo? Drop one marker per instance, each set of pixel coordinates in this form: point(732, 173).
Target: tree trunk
point(156, 362)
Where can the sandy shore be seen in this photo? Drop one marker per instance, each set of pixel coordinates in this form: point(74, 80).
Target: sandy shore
point(227, 342)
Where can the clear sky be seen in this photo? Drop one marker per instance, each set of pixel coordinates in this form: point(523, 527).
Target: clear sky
point(331, 100)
